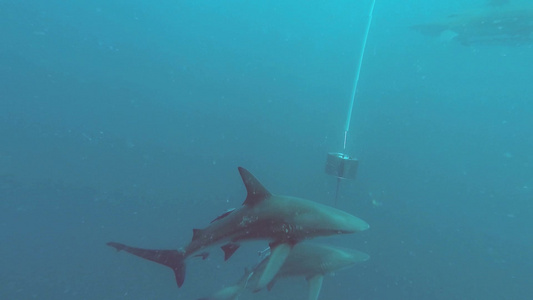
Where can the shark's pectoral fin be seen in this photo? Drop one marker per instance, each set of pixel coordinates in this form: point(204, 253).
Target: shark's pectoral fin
point(277, 257)
point(229, 249)
point(173, 259)
point(256, 192)
point(315, 284)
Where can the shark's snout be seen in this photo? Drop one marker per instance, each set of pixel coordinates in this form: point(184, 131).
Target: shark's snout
point(356, 224)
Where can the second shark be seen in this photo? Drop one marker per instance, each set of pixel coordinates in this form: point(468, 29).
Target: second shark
point(312, 261)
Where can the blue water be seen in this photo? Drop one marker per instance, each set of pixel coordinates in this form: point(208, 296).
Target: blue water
point(126, 121)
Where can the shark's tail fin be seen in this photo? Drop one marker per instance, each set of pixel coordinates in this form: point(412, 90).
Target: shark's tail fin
point(173, 259)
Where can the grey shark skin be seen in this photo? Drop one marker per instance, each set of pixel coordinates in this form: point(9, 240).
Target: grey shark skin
point(282, 220)
point(311, 261)
point(511, 26)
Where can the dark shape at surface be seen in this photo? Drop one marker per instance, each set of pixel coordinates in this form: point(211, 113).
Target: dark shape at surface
point(508, 25)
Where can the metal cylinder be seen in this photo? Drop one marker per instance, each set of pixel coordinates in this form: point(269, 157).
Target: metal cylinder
point(341, 165)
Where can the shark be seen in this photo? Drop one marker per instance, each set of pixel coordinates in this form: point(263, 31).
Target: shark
point(312, 261)
point(283, 221)
point(497, 25)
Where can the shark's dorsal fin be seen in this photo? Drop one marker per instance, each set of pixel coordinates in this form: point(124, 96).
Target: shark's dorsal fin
point(256, 191)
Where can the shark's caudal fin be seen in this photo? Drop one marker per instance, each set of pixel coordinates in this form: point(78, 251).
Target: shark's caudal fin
point(170, 258)
point(256, 191)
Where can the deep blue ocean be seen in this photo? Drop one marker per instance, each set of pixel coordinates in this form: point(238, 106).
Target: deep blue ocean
point(126, 121)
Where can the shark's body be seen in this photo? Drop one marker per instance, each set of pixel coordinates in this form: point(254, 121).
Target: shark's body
point(510, 26)
point(284, 221)
point(311, 261)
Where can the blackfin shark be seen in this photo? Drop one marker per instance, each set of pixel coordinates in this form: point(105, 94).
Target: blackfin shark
point(283, 221)
point(510, 25)
point(312, 261)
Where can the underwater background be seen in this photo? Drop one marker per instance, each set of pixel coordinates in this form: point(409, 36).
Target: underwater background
point(126, 121)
